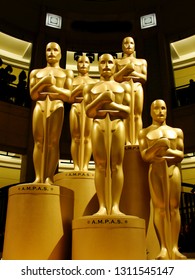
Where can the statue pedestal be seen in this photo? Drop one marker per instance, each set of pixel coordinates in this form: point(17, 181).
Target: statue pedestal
point(82, 183)
point(135, 198)
point(38, 224)
point(108, 238)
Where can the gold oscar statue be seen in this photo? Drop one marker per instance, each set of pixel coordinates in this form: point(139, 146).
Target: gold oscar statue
point(162, 146)
point(135, 198)
point(134, 70)
point(80, 124)
point(80, 180)
point(114, 234)
point(39, 214)
point(108, 104)
point(49, 87)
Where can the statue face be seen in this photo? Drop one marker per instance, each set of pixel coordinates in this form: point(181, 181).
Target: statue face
point(106, 65)
point(159, 111)
point(53, 52)
point(83, 64)
point(128, 45)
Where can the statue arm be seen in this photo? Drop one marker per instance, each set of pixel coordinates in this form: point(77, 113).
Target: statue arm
point(124, 108)
point(119, 110)
point(125, 71)
point(77, 92)
point(92, 106)
point(69, 79)
point(174, 156)
point(37, 87)
point(142, 75)
point(63, 93)
point(154, 152)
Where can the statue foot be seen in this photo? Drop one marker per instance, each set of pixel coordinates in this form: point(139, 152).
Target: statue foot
point(48, 181)
point(116, 211)
point(76, 168)
point(163, 255)
point(37, 180)
point(177, 255)
point(85, 168)
point(102, 211)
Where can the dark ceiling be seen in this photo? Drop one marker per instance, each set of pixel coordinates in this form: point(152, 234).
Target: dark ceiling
point(87, 22)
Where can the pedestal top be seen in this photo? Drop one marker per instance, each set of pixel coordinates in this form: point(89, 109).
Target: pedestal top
point(74, 175)
point(111, 221)
point(38, 188)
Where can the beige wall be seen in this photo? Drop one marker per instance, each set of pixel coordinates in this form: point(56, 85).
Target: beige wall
point(182, 76)
point(10, 169)
point(9, 176)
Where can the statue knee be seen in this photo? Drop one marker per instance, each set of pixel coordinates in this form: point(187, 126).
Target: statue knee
point(101, 167)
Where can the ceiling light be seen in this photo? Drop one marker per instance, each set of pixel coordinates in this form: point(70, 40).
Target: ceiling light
point(148, 21)
point(54, 21)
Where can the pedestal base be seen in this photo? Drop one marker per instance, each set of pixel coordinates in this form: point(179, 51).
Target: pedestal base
point(108, 238)
point(135, 198)
point(82, 183)
point(38, 224)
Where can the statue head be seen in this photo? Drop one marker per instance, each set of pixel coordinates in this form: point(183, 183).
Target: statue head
point(128, 45)
point(83, 64)
point(158, 111)
point(53, 53)
point(106, 65)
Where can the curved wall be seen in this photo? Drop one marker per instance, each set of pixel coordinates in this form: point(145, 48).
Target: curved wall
point(98, 26)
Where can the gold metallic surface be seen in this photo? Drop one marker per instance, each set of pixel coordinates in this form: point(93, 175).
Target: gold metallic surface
point(132, 70)
point(49, 87)
point(162, 146)
point(108, 104)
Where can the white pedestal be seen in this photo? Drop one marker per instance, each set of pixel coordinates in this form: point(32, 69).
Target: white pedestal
point(38, 224)
point(108, 238)
point(82, 183)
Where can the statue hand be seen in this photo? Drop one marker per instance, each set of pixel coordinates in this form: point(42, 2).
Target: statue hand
point(163, 143)
point(79, 90)
point(130, 67)
point(108, 96)
point(49, 80)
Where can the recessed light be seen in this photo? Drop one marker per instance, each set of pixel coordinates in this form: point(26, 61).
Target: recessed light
point(148, 21)
point(54, 21)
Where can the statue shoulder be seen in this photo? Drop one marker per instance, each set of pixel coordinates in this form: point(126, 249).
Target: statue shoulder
point(178, 131)
point(144, 131)
point(139, 61)
point(126, 86)
point(69, 73)
point(34, 72)
point(144, 61)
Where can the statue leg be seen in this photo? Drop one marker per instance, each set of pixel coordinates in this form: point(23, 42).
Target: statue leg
point(99, 155)
point(75, 134)
point(55, 123)
point(38, 135)
point(157, 175)
point(127, 131)
point(87, 142)
point(117, 155)
point(138, 108)
point(175, 192)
